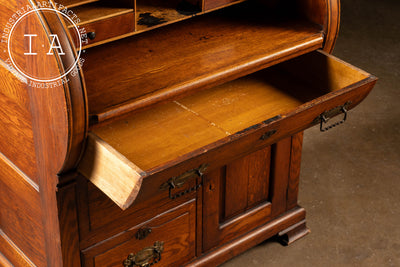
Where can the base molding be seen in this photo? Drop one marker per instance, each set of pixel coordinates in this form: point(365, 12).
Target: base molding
point(282, 224)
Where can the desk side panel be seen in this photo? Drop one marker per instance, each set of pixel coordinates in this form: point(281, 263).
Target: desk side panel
point(21, 226)
point(43, 133)
point(16, 134)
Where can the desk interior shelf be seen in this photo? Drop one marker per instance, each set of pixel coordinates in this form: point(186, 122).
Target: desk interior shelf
point(201, 52)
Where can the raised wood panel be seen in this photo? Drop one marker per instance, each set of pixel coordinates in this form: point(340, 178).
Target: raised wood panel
point(11, 255)
point(246, 183)
point(227, 213)
point(235, 194)
point(259, 174)
point(8, 8)
point(21, 214)
point(15, 122)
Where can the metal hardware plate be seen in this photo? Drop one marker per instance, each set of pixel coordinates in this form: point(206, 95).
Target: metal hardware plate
point(179, 181)
point(146, 257)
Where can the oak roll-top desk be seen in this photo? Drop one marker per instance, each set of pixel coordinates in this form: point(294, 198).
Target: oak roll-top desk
point(177, 138)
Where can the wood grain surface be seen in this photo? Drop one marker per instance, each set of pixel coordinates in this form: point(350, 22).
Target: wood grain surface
point(233, 89)
point(190, 123)
point(227, 213)
point(116, 176)
point(175, 228)
point(98, 11)
point(217, 48)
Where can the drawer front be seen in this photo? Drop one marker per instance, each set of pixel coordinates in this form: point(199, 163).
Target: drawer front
point(100, 218)
point(105, 29)
point(175, 230)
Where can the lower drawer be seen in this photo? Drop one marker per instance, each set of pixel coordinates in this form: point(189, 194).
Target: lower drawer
point(100, 218)
point(168, 238)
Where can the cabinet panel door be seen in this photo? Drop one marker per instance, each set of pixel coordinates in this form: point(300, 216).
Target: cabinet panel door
point(245, 193)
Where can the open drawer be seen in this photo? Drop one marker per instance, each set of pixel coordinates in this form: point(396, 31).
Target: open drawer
point(213, 127)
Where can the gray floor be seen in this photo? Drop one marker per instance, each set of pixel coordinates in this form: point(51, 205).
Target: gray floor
point(350, 178)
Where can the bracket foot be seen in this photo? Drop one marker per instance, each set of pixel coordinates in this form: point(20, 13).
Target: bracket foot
point(293, 233)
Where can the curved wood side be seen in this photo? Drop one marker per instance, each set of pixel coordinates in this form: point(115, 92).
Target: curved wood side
point(333, 24)
point(60, 130)
point(54, 126)
point(327, 14)
point(49, 109)
point(75, 93)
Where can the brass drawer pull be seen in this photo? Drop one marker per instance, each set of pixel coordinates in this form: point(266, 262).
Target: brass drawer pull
point(327, 115)
point(146, 257)
point(179, 181)
point(142, 233)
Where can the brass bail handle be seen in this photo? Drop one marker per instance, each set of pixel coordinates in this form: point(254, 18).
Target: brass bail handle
point(179, 181)
point(325, 120)
point(327, 115)
point(146, 257)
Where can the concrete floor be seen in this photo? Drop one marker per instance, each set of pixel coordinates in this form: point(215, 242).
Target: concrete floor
point(350, 178)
